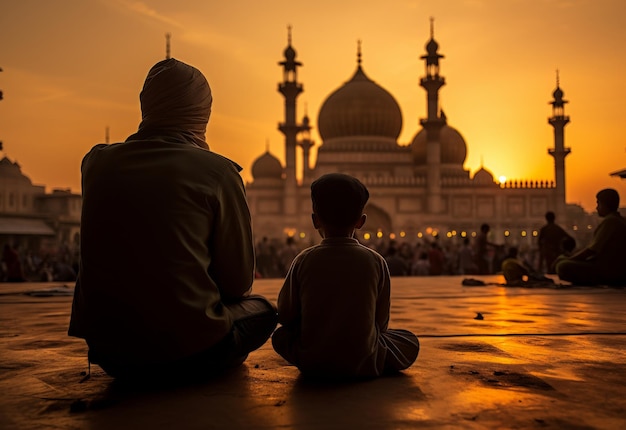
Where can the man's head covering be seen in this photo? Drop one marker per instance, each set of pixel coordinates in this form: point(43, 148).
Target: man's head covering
point(338, 199)
point(175, 101)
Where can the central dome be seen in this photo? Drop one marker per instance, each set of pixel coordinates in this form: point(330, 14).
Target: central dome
point(360, 108)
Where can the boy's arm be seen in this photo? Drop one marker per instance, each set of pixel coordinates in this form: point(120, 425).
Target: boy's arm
point(289, 305)
point(383, 302)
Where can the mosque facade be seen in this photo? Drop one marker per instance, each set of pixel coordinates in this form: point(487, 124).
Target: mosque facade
point(418, 190)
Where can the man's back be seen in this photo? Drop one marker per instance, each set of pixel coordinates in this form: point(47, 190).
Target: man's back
point(609, 243)
point(153, 214)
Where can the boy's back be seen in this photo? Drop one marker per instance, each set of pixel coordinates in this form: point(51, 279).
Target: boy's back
point(333, 304)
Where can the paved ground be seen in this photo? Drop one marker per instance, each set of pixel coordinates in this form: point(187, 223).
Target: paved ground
point(539, 358)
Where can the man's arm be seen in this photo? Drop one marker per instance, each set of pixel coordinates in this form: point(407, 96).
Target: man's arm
point(289, 304)
point(232, 245)
point(582, 255)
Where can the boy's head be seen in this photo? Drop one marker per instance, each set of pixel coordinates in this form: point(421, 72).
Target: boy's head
point(568, 244)
point(608, 201)
point(338, 199)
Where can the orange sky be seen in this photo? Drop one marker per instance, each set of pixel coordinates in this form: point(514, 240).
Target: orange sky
point(73, 67)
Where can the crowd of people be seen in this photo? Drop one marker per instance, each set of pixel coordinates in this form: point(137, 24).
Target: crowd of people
point(27, 265)
point(420, 258)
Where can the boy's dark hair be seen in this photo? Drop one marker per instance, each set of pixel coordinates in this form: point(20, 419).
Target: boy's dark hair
point(550, 216)
point(609, 197)
point(338, 199)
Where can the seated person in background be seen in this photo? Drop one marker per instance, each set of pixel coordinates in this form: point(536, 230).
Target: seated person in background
point(166, 252)
point(567, 246)
point(334, 304)
point(514, 269)
point(603, 261)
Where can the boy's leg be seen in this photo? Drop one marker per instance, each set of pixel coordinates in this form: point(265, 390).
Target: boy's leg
point(283, 344)
point(402, 349)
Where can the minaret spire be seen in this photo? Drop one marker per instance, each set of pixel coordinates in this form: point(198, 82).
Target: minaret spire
point(106, 135)
point(358, 52)
point(168, 36)
point(432, 27)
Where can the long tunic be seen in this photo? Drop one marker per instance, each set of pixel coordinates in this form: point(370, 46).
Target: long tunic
point(165, 238)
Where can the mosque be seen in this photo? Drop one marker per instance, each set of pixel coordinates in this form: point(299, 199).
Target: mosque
point(32, 218)
point(418, 190)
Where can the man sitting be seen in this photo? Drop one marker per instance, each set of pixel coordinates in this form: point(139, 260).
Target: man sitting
point(603, 260)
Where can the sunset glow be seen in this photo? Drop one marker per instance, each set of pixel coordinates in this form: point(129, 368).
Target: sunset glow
point(75, 67)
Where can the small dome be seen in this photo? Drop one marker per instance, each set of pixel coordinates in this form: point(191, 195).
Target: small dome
point(483, 177)
point(290, 53)
point(453, 147)
point(432, 47)
point(10, 170)
point(360, 108)
point(267, 167)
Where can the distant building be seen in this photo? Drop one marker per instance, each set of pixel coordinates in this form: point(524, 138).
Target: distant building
point(418, 190)
point(33, 219)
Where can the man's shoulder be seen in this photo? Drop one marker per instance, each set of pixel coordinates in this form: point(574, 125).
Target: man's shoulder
point(195, 155)
point(97, 149)
point(615, 220)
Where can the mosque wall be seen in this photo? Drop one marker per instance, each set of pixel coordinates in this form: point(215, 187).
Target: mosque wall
point(18, 197)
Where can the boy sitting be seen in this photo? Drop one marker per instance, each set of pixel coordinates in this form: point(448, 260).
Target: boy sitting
point(334, 304)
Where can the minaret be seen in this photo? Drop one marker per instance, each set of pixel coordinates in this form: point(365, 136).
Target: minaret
point(306, 144)
point(290, 89)
point(559, 120)
point(168, 36)
point(432, 82)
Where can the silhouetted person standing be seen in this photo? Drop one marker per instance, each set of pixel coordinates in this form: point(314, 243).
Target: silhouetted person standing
point(483, 247)
point(603, 261)
point(167, 255)
point(550, 239)
point(12, 266)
